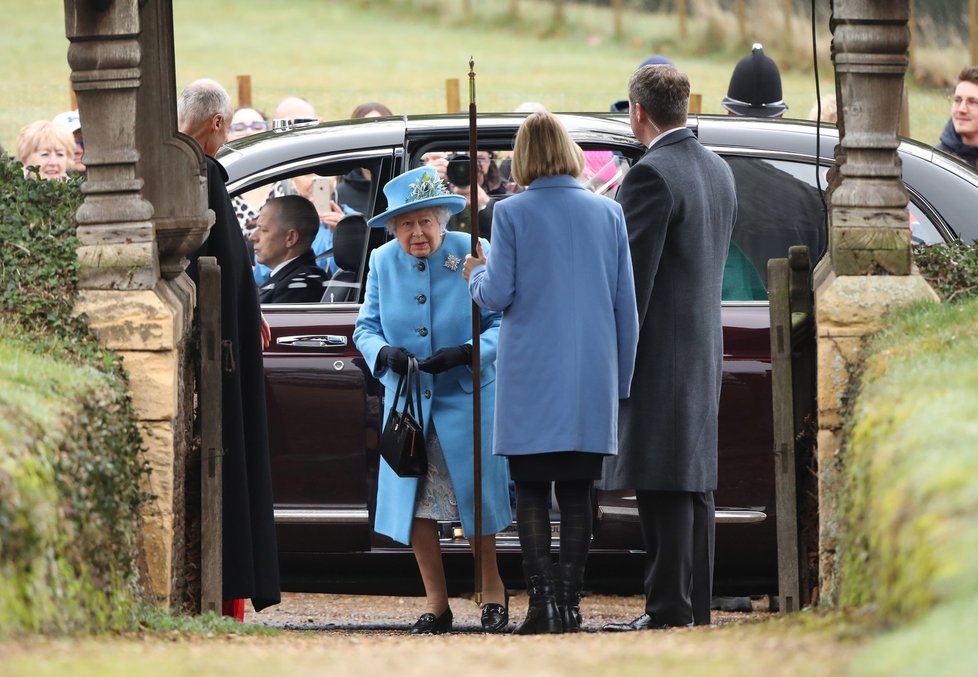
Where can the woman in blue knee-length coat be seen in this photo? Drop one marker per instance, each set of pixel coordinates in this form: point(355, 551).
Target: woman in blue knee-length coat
point(561, 273)
point(416, 303)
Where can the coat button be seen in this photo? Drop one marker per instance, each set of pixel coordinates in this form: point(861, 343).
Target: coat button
point(427, 394)
point(420, 265)
point(422, 298)
point(423, 331)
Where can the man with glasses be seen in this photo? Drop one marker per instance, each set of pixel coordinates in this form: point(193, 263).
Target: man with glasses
point(960, 135)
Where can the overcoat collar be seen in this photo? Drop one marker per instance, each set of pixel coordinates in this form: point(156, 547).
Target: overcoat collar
point(675, 137)
point(557, 181)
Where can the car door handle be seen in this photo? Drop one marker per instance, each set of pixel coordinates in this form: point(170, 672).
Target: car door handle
point(327, 341)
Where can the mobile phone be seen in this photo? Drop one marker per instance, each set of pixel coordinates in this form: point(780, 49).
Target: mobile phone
point(322, 193)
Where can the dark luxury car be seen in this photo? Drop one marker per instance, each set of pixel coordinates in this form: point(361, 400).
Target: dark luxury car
point(324, 406)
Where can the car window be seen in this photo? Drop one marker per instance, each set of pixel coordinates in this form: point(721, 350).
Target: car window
point(344, 195)
point(603, 172)
point(778, 206)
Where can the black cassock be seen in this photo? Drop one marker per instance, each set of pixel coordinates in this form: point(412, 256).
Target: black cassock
point(250, 547)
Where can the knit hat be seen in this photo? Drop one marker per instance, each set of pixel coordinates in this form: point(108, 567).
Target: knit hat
point(755, 87)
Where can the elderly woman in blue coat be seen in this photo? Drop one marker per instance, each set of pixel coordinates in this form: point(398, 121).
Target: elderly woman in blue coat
point(561, 273)
point(417, 304)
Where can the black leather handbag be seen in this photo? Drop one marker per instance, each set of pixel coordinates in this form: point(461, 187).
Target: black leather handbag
point(402, 443)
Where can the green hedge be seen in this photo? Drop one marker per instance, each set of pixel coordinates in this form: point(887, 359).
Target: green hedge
point(911, 545)
point(69, 447)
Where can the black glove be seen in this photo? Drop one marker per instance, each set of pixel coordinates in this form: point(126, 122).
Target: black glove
point(446, 358)
point(396, 359)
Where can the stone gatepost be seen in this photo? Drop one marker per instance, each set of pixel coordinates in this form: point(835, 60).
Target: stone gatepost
point(868, 270)
point(145, 209)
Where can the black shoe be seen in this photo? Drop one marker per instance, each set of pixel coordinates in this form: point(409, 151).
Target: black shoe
point(643, 622)
point(568, 595)
point(495, 617)
point(429, 624)
point(542, 616)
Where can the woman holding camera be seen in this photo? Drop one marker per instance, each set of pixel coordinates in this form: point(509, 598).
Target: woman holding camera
point(416, 304)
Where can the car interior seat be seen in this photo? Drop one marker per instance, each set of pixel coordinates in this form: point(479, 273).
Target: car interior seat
point(349, 240)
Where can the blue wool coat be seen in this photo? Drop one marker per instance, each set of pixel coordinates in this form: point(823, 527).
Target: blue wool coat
point(423, 305)
point(561, 272)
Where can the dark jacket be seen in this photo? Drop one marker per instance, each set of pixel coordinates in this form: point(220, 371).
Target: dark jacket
point(951, 143)
point(250, 547)
point(299, 281)
point(680, 206)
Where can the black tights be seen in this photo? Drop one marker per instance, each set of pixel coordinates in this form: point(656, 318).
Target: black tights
point(533, 520)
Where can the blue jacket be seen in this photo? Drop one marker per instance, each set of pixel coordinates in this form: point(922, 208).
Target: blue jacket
point(423, 305)
point(561, 273)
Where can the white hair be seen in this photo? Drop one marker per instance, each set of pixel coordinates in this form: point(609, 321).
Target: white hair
point(200, 100)
point(442, 215)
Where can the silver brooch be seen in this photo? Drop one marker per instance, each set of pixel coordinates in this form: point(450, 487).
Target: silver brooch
point(452, 262)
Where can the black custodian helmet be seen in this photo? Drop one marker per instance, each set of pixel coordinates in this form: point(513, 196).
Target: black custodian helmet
point(755, 87)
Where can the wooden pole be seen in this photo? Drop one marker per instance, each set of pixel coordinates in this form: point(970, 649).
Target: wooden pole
point(476, 337)
point(695, 104)
point(973, 32)
point(452, 102)
point(787, 17)
point(514, 8)
point(741, 12)
point(244, 91)
point(559, 16)
point(211, 440)
point(72, 99)
point(617, 10)
point(681, 10)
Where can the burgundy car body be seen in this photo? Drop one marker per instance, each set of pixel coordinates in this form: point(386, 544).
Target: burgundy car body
point(324, 406)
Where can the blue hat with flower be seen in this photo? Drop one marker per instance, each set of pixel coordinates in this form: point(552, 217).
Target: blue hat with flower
point(419, 188)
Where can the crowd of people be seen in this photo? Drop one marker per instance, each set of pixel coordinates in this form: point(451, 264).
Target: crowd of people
point(551, 423)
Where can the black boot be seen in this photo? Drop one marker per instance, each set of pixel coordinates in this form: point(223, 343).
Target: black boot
point(542, 616)
point(568, 582)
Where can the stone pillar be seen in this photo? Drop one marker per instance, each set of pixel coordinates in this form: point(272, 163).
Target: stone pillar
point(139, 305)
point(868, 270)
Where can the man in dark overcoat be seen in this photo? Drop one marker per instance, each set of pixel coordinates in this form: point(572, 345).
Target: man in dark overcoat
point(250, 550)
point(680, 207)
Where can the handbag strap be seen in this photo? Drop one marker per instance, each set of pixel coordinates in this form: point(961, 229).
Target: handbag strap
point(400, 385)
point(417, 389)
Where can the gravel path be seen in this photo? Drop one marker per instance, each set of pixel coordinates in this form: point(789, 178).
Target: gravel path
point(338, 635)
point(359, 613)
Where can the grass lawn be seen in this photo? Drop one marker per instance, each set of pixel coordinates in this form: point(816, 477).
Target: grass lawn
point(339, 53)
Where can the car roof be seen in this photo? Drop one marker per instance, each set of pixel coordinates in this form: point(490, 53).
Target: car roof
point(944, 181)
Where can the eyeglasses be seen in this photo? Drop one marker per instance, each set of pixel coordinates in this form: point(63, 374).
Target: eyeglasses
point(257, 125)
point(971, 103)
point(483, 160)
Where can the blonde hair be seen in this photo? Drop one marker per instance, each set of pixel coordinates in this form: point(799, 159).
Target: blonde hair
point(544, 148)
point(44, 134)
point(829, 110)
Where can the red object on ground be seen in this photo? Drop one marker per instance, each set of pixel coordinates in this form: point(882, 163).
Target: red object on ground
point(234, 607)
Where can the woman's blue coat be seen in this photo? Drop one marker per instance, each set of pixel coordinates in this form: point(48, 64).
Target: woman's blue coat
point(423, 305)
point(561, 273)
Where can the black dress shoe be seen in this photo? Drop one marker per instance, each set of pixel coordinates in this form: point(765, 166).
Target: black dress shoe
point(429, 624)
point(643, 622)
point(495, 617)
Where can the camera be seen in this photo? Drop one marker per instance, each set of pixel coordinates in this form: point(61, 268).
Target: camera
point(458, 170)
